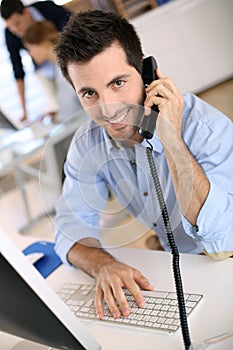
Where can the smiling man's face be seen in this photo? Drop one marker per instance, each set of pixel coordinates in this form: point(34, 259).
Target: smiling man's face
point(111, 91)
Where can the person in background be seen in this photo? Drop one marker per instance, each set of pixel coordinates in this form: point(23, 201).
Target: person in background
point(17, 18)
point(40, 39)
point(100, 54)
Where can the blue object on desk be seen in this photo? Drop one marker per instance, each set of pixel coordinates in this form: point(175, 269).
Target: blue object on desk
point(49, 261)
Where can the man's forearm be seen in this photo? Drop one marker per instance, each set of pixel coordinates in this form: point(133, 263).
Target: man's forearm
point(21, 92)
point(89, 256)
point(190, 182)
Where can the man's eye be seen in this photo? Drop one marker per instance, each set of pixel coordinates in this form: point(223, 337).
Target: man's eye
point(89, 93)
point(119, 83)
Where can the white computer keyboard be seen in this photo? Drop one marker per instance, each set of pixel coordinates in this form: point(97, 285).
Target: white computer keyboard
point(160, 311)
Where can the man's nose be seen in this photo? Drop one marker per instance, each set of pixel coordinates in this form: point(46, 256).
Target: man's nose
point(108, 105)
point(108, 109)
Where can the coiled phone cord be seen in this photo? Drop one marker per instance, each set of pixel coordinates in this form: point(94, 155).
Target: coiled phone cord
point(173, 247)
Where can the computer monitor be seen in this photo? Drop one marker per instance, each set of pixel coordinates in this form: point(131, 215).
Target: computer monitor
point(31, 310)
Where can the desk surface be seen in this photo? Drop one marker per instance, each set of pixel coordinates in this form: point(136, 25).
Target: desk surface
point(212, 317)
point(200, 274)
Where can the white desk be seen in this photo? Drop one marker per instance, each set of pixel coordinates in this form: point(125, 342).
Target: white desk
point(213, 316)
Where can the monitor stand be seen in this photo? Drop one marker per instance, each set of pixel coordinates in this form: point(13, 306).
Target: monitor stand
point(28, 345)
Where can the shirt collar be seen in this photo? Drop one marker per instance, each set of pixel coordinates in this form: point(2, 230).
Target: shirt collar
point(110, 144)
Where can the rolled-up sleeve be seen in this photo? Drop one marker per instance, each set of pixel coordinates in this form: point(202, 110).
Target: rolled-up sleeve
point(214, 224)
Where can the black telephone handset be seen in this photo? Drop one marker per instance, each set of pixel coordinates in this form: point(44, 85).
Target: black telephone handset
point(147, 126)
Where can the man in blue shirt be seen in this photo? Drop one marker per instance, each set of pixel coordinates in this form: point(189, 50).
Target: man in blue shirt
point(17, 18)
point(100, 54)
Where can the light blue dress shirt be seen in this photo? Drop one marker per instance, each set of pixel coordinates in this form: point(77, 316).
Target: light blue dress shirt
point(93, 163)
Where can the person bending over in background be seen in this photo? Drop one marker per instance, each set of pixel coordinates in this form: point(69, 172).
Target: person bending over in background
point(17, 18)
point(100, 54)
point(40, 39)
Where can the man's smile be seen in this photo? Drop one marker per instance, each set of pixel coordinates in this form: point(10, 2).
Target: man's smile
point(119, 119)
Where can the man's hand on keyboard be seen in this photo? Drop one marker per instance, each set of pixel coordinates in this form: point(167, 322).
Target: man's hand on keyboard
point(111, 277)
point(110, 281)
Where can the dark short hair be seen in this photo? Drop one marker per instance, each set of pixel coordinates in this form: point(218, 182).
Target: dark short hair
point(8, 7)
point(90, 32)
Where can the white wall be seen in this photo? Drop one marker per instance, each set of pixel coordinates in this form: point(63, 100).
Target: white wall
point(192, 41)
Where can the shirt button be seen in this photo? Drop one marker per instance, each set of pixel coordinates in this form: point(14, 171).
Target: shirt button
point(154, 224)
point(145, 194)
